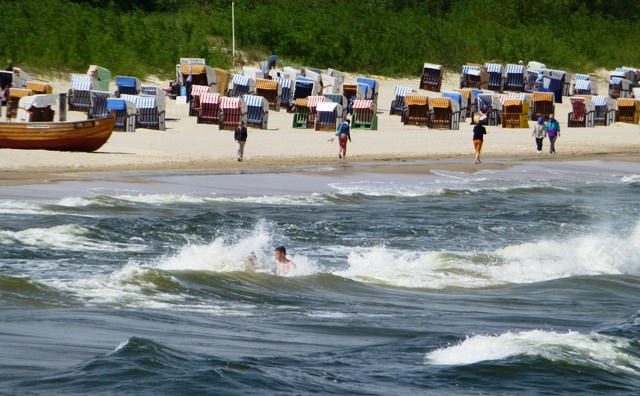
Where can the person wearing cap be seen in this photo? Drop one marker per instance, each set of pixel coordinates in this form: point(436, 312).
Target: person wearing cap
point(284, 265)
point(553, 131)
point(539, 132)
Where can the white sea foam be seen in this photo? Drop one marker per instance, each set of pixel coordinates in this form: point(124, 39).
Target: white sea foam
point(64, 237)
point(536, 261)
point(20, 207)
point(163, 199)
point(232, 254)
point(595, 350)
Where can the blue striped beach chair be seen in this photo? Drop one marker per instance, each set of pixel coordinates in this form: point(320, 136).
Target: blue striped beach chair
point(303, 88)
point(285, 90)
point(496, 77)
point(515, 78)
point(341, 100)
point(257, 111)
point(79, 96)
point(127, 85)
point(98, 107)
point(584, 85)
point(126, 114)
point(605, 110)
point(397, 105)
point(150, 113)
point(328, 116)
point(491, 100)
point(474, 76)
point(241, 85)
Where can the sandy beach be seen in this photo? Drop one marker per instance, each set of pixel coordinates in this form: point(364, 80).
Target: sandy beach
point(187, 145)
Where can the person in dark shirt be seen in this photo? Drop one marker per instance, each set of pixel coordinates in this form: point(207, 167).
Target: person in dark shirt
point(240, 136)
point(478, 137)
point(344, 134)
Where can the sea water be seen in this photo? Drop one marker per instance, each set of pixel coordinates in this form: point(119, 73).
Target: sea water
point(522, 280)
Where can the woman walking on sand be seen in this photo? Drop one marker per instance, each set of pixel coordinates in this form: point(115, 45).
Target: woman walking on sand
point(344, 134)
point(478, 136)
point(539, 132)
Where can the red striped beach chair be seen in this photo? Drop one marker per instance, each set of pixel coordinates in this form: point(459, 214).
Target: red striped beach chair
point(582, 114)
point(209, 111)
point(232, 111)
point(312, 103)
point(364, 115)
point(194, 103)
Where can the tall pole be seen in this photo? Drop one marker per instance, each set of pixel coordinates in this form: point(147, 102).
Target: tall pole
point(233, 32)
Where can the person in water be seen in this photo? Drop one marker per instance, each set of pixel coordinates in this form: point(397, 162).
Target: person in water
point(284, 265)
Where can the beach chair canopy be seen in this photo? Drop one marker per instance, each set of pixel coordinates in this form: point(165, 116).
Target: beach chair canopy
point(39, 88)
point(20, 78)
point(371, 83)
point(252, 72)
point(285, 83)
point(240, 80)
point(84, 82)
point(363, 104)
point(292, 72)
point(340, 76)
point(515, 69)
point(256, 101)
point(402, 91)
point(103, 75)
point(416, 100)
point(536, 65)
point(144, 101)
point(38, 101)
point(432, 69)
point(326, 107)
point(232, 103)
point(119, 104)
point(269, 85)
point(444, 103)
point(128, 82)
point(331, 84)
point(210, 97)
point(604, 101)
point(494, 68)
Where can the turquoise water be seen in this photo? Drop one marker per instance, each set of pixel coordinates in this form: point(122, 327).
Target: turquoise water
point(516, 281)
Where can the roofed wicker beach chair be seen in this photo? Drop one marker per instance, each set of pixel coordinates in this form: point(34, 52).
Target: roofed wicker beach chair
point(102, 75)
point(496, 77)
point(331, 84)
point(98, 107)
point(474, 76)
point(223, 78)
point(126, 114)
point(303, 88)
point(542, 105)
point(493, 101)
point(36, 108)
point(151, 112)
point(353, 91)
point(232, 111)
point(301, 113)
point(194, 103)
point(416, 110)
point(432, 75)
point(584, 85)
point(241, 85)
point(341, 100)
point(257, 111)
point(462, 102)
point(373, 89)
point(312, 103)
point(565, 78)
point(515, 78)
point(209, 111)
point(397, 105)
point(445, 113)
point(583, 113)
point(39, 88)
point(628, 110)
point(201, 74)
point(15, 94)
point(605, 110)
point(515, 113)
point(619, 88)
point(127, 85)
point(364, 115)
point(472, 99)
point(79, 96)
point(285, 90)
point(271, 91)
point(328, 116)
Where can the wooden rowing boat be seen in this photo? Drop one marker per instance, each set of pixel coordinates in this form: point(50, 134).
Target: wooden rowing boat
point(85, 136)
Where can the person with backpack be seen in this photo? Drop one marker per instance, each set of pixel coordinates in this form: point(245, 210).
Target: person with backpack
point(344, 134)
point(553, 131)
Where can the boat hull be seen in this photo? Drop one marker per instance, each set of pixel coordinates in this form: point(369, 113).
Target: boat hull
point(83, 136)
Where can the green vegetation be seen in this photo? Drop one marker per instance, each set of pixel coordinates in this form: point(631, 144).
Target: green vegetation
point(386, 37)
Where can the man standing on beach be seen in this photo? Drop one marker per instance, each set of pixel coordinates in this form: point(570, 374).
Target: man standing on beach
point(478, 136)
point(240, 136)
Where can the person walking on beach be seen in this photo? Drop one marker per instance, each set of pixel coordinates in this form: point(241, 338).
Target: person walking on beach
point(539, 132)
point(240, 136)
point(553, 131)
point(344, 134)
point(284, 265)
point(478, 136)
